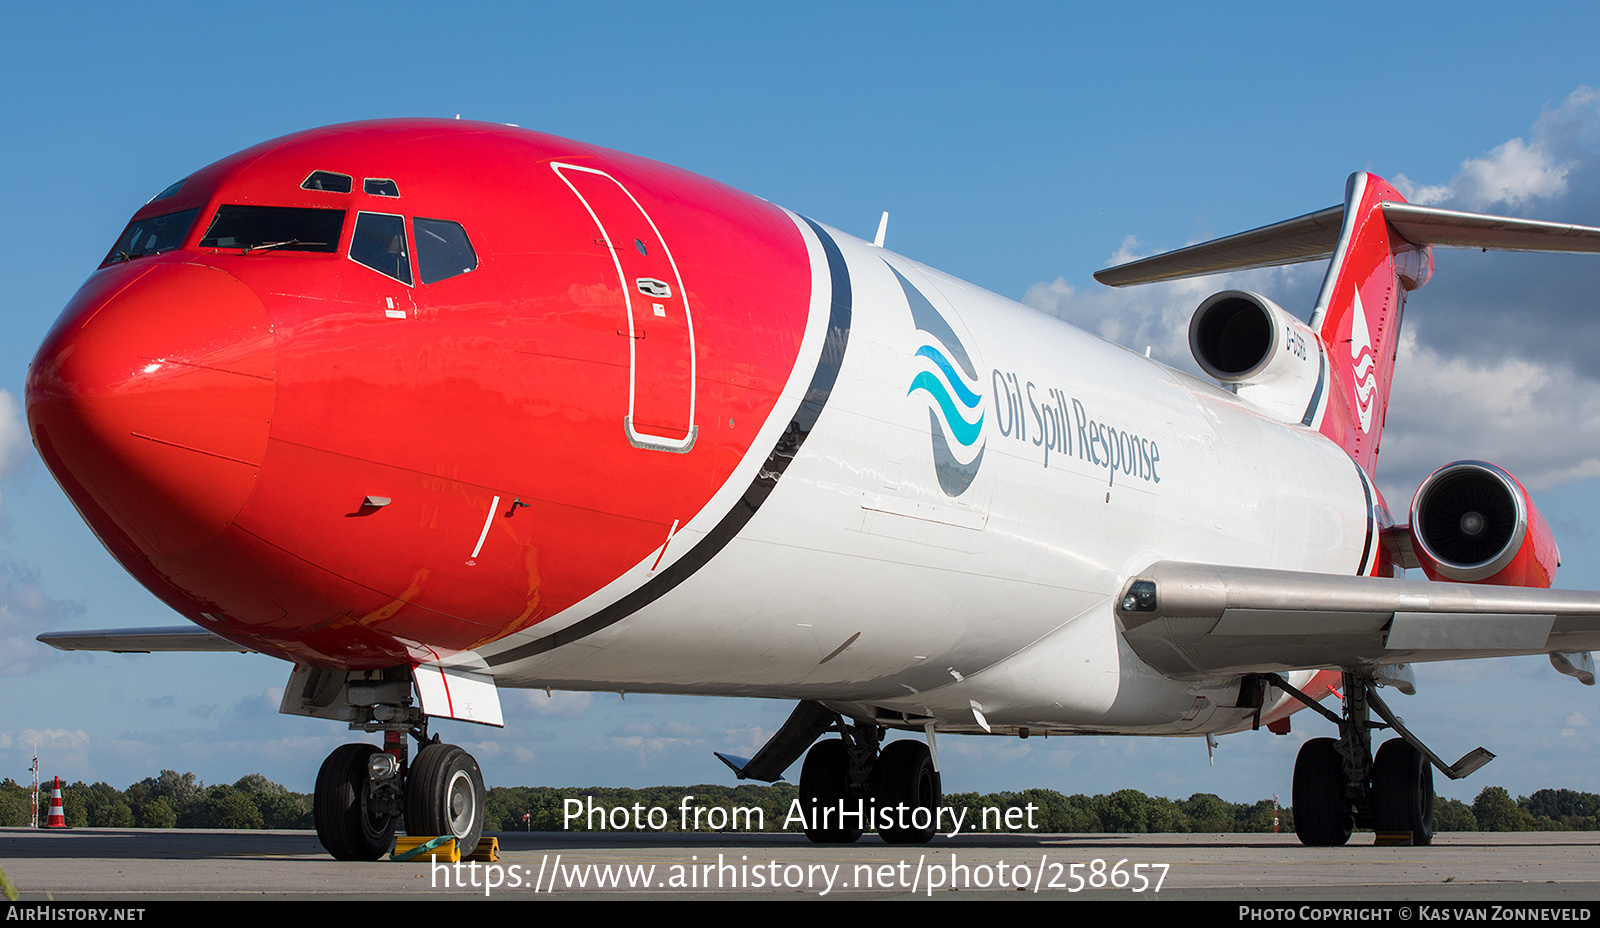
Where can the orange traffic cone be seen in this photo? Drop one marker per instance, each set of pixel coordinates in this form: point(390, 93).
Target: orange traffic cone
point(58, 816)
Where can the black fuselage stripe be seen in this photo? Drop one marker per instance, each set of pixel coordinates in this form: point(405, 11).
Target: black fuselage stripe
point(800, 425)
point(1366, 549)
point(1316, 395)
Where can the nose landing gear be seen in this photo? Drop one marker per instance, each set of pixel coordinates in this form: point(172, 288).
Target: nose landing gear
point(363, 791)
point(445, 795)
point(352, 823)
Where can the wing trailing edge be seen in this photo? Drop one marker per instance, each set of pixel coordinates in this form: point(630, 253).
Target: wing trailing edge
point(1195, 620)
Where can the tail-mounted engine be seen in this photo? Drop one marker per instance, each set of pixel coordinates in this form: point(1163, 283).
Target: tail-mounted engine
point(1472, 522)
point(1266, 355)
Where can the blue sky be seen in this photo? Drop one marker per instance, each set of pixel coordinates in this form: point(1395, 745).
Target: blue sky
point(1019, 147)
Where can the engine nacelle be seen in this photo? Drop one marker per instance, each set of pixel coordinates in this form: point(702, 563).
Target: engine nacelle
point(1472, 522)
point(1271, 359)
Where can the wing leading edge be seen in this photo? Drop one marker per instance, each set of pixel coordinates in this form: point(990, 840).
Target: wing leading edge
point(141, 640)
point(1195, 620)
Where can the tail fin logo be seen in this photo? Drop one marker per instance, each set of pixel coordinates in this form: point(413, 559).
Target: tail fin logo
point(1365, 364)
point(951, 382)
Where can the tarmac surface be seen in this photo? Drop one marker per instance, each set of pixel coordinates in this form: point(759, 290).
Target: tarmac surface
point(109, 865)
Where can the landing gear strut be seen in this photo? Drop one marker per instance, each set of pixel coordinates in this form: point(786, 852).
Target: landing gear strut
point(1338, 785)
point(363, 791)
point(847, 785)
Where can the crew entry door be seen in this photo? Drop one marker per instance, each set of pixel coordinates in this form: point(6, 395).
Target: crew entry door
point(661, 383)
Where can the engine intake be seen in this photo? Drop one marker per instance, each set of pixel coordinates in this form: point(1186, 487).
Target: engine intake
point(1472, 522)
point(1266, 355)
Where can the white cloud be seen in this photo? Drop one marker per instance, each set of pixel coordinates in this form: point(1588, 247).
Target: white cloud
point(25, 611)
point(1156, 316)
point(1498, 358)
point(1513, 174)
point(651, 738)
point(1500, 354)
point(1540, 421)
point(559, 703)
point(1517, 173)
point(59, 748)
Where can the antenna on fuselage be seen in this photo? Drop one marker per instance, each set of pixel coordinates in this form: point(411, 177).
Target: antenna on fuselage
point(883, 227)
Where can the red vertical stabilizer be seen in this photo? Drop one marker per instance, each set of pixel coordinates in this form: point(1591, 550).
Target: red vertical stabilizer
point(1358, 313)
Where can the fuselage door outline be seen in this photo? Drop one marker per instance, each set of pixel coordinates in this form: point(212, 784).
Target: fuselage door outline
point(667, 349)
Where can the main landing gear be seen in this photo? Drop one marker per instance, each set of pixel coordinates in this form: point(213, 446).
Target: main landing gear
point(364, 791)
point(848, 785)
point(1339, 785)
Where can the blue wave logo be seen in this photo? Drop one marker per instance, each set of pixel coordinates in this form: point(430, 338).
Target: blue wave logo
point(957, 412)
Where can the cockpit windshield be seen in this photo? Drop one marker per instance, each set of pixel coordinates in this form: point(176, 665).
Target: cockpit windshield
point(276, 228)
point(152, 236)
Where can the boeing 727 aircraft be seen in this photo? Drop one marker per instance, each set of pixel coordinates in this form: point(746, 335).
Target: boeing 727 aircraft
point(431, 408)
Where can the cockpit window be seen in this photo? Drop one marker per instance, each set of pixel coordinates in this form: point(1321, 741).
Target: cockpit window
point(327, 180)
point(168, 192)
point(380, 187)
point(443, 249)
point(152, 236)
point(379, 242)
point(280, 228)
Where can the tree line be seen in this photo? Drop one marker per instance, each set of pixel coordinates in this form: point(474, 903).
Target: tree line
point(1127, 811)
point(174, 800)
point(171, 800)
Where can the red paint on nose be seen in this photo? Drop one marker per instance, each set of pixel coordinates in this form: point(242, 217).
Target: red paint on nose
point(150, 401)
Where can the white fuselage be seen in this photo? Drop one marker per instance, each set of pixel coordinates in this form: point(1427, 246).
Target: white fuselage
point(863, 582)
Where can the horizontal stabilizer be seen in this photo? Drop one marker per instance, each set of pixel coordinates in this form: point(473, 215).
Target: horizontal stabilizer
point(1425, 225)
point(1305, 238)
point(141, 640)
point(1190, 620)
point(1315, 235)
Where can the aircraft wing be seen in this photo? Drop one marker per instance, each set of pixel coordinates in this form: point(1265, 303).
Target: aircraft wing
point(141, 640)
point(1192, 620)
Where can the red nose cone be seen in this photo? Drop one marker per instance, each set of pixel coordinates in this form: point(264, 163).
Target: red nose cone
point(150, 401)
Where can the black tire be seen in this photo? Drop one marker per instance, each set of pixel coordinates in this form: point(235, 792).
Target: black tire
point(345, 825)
point(445, 796)
point(1402, 791)
point(904, 781)
point(1322, 814)
point(824, 784)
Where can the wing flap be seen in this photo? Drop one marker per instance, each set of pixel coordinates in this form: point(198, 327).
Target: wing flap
point(1205, 619)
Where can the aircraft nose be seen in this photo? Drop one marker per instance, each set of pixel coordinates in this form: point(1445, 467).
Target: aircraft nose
point(151, 400)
